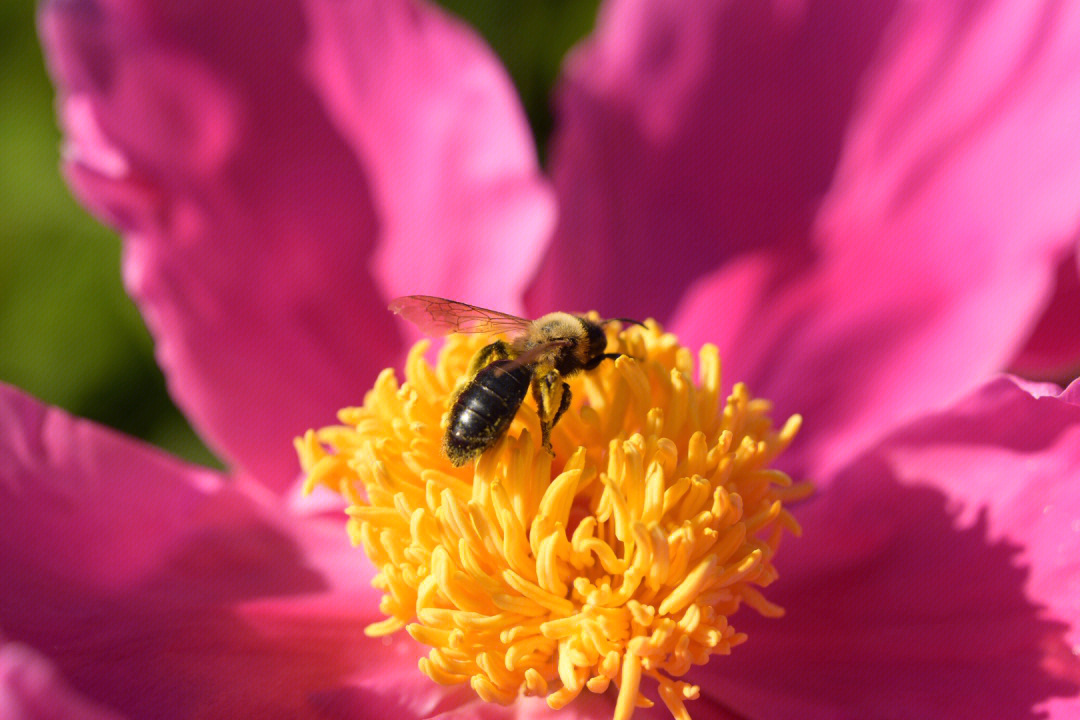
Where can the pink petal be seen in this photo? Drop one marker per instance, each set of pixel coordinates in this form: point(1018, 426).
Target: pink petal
point(938, 576)
point(437, 124)
point(32, 689)
point(688, 135)
point(163, 590)
point(247, 221)
point(1052, 350)
point(586, 706)
point(955, 200)
point(261, 244)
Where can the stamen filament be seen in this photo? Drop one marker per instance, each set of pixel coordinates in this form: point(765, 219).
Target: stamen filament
point(621, 557)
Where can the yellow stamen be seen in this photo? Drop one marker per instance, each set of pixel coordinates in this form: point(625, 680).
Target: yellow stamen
point(621, 557)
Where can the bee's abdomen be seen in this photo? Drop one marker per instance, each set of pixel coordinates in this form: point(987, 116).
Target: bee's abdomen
point(484, 410)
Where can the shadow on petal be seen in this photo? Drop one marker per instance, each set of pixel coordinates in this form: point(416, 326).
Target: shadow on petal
point(412, 694)
point(1052, 351)
point(181, 644)
point(896, 609)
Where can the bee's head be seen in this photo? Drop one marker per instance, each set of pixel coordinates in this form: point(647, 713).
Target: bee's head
point(596, 339)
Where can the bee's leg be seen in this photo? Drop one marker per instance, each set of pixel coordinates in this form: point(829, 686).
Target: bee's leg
point(486, 355)
point(591, 365)
point(552, 398)
point(564, 403)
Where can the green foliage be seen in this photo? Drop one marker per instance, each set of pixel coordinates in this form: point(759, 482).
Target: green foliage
point(70, 336)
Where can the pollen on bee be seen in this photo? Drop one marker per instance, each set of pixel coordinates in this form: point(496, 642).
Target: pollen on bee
point(620, 557)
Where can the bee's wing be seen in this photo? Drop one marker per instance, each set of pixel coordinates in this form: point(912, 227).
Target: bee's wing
point(530, 356)
point(439, 316)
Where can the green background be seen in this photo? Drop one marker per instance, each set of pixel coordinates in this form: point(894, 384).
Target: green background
point(68, 333)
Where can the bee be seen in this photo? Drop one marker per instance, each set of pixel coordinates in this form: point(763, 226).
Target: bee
point(539, 356)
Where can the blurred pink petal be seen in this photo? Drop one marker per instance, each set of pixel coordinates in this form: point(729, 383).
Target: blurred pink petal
point(955, 200)
point(246, 218)
point(437, 126)
point(261, 245)
point(685, 137)
point(1052, 351)
point(162, 590)
point(32, 689)
point(938, 576)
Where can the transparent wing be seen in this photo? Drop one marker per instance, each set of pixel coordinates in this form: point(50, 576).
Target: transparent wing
point(532, 354)
point(439, 316)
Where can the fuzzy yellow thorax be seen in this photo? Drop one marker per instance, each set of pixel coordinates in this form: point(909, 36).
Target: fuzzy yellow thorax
point(621, 557)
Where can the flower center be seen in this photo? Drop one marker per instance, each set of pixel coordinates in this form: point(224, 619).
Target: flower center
point(621, 557)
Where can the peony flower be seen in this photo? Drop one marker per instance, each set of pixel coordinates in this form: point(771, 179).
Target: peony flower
point(869, 209)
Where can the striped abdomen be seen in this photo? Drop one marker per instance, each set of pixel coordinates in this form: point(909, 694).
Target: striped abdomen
point(484, 410)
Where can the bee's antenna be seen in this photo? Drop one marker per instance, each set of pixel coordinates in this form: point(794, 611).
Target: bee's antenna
point(624, 320)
